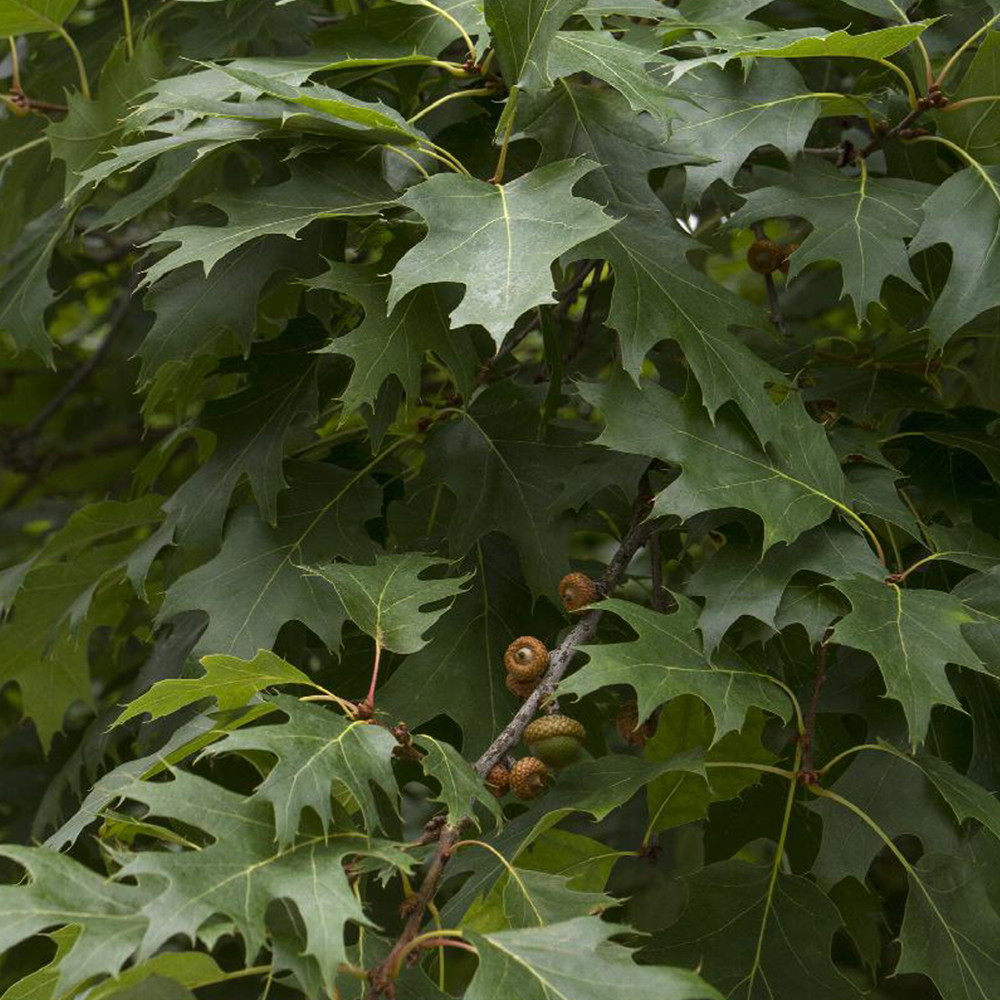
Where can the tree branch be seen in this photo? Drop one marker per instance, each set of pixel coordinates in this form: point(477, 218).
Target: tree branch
point(808, 737)
point(380, 979)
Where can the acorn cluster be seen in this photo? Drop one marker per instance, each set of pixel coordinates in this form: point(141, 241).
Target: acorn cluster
point(554, 740)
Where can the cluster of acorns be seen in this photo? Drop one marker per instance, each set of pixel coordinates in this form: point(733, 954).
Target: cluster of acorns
point(554, 740)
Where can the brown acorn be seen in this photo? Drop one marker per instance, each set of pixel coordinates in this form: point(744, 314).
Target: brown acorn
point(526, 658)
point(765, 256)
point(789, 250)
point(577, 590)
point(555, 739)
point(628, 726)
point(521, 688)
point(498, 780)
point(529, 777)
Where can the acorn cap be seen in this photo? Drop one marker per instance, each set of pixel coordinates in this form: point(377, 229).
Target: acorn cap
point(522, 688)
point(765, 256)
point(526, 658)
point(549, 726)
point(577, 590)
point(528, 778)
point(498, 780)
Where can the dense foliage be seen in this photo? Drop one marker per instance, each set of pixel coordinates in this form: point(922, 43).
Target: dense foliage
point(334, 334)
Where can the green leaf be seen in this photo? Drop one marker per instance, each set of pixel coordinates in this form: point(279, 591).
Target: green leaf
point(387, 600)
point(397, 344)
point(792, 488)
point(739, 580)
point(460, 672)
point(185, 741)
point(243, 871)
point(868, 45)
point(913, 635)
point(63, 892)
point(316, 751)
point(575, 120)
point(190, 969)
point(201, 137)
point(859, 222)
point(250, 429)
point(667, 660)
point(522, 32)
point(511, 232)
point(730, 114)
point(659, 294)
point(461, 787)
point(976, 127)
point(92, 127)
point(537, 899)
point(41, 984)
point(316, 189)
point(25, 292)
point(680, 797)
point(574, 958)
point(22, 17)
point(741, 927)
point(964, 213)
point(506, 479)
point(596, 787)
point(255, 584)
point(849, 845)
point(232, 682)
point(622, 62)
point(951, 928)
point(191, 306)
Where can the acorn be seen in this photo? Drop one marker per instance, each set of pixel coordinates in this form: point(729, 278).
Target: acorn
point(765, 256)
point(498, 780)
point(555, 739)
point(526, 658)
point(627, 724)
point(522, 688)
point(577, 590)
point(529, 777)
point(789, 250)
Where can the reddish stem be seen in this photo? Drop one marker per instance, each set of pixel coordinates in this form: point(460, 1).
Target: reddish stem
point(370, 700)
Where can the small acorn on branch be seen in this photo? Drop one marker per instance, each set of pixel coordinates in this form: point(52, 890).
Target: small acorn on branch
point(522, 688)
point(577, 590)
point(526, 658)
point(529, 777)
point(498, 780)
point(555, 739)
point(627, 724)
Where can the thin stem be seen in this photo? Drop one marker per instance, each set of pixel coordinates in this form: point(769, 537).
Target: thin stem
point(958, 105)
point(510, 113)
point(971, 160)
point(830, 764)
point(911, 92)
point(412, 159)
point(370, 700)
point(957, 54)
point(748, 765)
point(774, 305)
point(350, 709)
point(450, 17)
point(779, 852)
point(15, 65)
point(454, 95)
point(435, 935)
point(127, 17)
point(809, 737)
point(450, 157)
point(11, 153)
point(80, 67)
point(901, 577)
point(800, 726)
point(434, 155)
point(455, 69)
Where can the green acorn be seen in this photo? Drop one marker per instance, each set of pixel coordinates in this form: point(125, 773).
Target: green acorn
point(555, 739)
